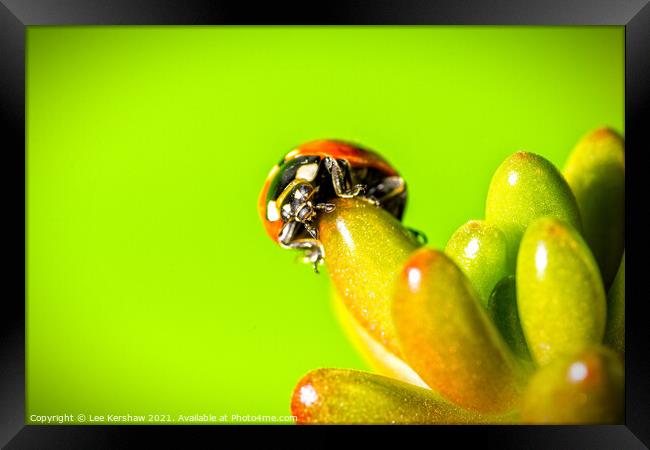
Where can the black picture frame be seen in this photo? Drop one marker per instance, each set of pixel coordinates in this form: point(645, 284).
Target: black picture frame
point(16, 15)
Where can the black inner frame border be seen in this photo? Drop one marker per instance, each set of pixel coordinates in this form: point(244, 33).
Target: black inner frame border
point(16, 15)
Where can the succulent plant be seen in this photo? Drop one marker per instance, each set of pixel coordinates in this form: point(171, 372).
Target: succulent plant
point(511, 323)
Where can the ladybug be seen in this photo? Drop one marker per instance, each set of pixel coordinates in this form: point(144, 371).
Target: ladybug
point(299, 188)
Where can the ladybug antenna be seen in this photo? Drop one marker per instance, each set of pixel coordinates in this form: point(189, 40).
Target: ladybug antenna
point(327, 207)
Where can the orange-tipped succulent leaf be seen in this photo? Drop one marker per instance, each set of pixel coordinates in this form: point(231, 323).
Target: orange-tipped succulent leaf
point(339, 396)
point(365, 247)
point(447, 337)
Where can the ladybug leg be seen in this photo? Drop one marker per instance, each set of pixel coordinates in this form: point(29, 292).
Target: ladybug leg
point(419, 236)
point(388, 188)
point(327, 207)
point(338, 179)
point(314, 251)
point(313, 232)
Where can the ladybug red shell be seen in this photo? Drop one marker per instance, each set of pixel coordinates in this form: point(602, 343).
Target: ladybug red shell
point(302, 184)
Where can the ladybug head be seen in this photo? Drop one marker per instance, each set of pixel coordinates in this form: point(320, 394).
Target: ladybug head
point(296, 203)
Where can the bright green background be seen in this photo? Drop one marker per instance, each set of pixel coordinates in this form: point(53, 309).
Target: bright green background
point(151, 285)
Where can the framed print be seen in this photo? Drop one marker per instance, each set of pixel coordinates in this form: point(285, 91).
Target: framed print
point(389, 216)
